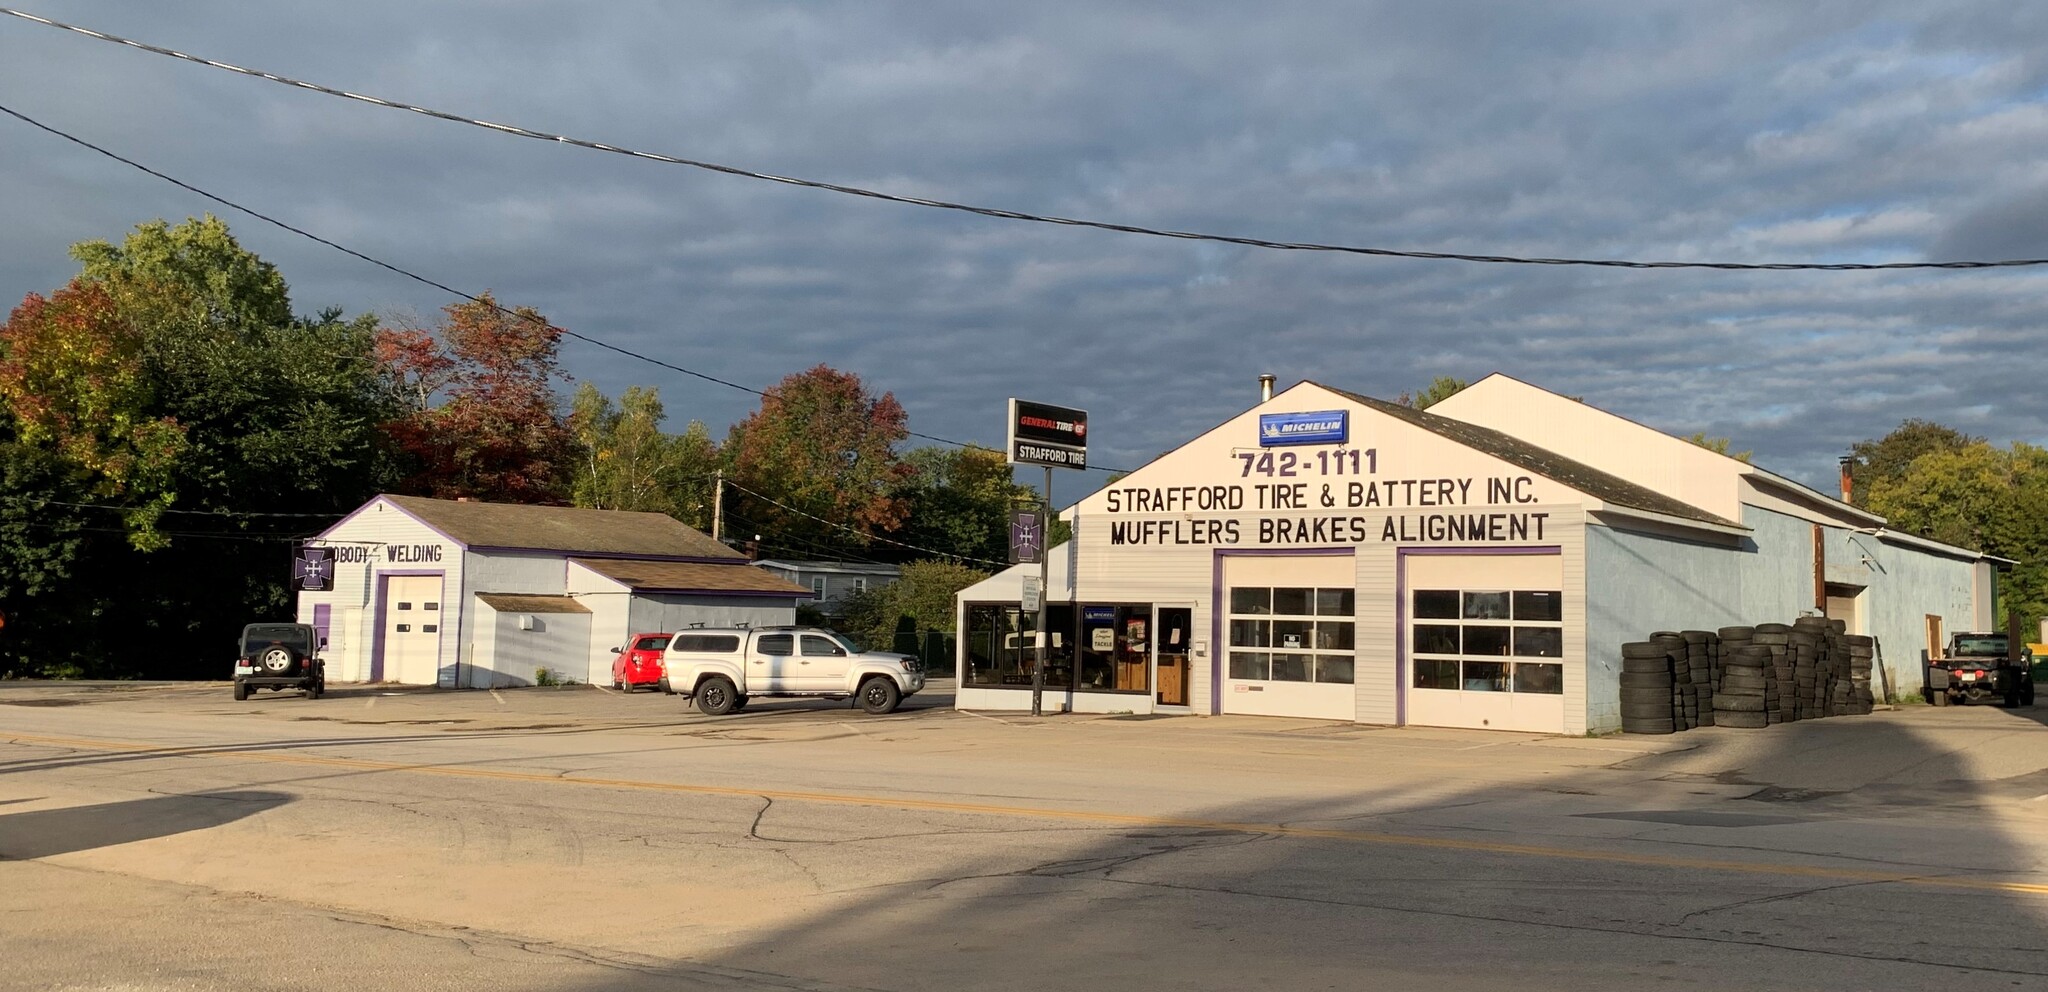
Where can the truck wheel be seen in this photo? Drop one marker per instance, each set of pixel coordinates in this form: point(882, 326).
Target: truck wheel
point(277, 659)
point(241, 691)
point(716, 696)
point(879, 695)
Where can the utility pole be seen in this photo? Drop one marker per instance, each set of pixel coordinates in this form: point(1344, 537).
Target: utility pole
point(718, 505)
point(1044, 596)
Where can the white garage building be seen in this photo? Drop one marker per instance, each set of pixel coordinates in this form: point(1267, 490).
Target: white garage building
point(1330, 555)
point(458, 593)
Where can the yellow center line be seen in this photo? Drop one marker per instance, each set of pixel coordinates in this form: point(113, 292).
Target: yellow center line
point(249, 753)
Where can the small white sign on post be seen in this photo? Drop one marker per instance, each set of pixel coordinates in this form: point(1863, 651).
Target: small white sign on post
point(1031, 593)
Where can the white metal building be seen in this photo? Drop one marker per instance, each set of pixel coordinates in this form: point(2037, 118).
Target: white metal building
point(460, 593)
point(1330, 555)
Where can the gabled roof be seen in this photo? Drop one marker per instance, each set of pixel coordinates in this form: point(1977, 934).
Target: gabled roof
point(847, 567)
point(641, 575)
point(567, 529)
point(523, 603)
point(1600, 485)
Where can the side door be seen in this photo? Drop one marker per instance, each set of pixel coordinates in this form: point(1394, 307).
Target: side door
point(824, 664)
point(772, 664)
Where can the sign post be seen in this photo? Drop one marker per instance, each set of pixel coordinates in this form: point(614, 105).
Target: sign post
point(1055, 437)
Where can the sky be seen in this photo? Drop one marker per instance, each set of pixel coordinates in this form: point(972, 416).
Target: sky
point(1865, 131)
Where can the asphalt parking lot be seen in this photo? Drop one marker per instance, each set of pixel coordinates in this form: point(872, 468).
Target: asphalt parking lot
point(577, 838)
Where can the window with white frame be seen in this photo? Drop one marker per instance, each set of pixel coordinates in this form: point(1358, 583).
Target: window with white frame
point(1487, 640)
point(1292, 634)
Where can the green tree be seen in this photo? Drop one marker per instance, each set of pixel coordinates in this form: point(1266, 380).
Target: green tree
point(627, 462)
point(1719, 446)
point(1979, 497)
point(273, 415)
point(922, 596)
point(816, 465)
point(958, 501)
point(1886, 459)
point(1441, 388)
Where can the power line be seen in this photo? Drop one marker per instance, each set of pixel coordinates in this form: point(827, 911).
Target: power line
point(1003, 214)
point(850, 530)
point(423, 280)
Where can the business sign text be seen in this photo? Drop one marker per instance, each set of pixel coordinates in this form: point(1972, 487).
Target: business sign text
point(1320, 427)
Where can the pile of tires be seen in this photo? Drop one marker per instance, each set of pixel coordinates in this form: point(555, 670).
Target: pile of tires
point(1745, 677)
point(1648, 689)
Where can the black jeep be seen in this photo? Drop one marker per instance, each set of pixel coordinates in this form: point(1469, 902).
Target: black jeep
point(280, 656)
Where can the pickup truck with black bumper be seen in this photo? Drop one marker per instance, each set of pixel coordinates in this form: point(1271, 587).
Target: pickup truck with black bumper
point(721, 669)
point(1979, 668)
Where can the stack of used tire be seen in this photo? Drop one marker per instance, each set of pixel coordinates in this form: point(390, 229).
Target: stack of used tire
point(1648, 689)
point(1703, 659)
point(1859, 648)
point(1741, 698)
point(1780, 674)
point(1685, 710)
point(1813, 674)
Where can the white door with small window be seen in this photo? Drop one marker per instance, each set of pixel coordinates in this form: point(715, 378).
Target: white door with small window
point(1485, 641)
point(1290, 624)
point(412, 629)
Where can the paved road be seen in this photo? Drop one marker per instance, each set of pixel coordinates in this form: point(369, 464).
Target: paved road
point(166, 837)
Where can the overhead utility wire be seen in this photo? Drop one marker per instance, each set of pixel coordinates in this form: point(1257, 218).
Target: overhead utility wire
point(850, 530)
point(423, 280)
point(1002, 214)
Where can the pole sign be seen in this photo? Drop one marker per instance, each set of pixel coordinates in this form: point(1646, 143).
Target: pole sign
point(1053, 436)
point(313, 569)
point(1033, 595)
point(1027, 537)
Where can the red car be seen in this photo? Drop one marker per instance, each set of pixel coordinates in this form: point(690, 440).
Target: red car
point(639, 662)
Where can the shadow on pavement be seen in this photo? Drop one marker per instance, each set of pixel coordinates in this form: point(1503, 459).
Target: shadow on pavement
point(46, 833)
point(1846, 853)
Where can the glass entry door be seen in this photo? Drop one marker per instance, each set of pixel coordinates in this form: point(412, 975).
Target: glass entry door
point(1175, 627)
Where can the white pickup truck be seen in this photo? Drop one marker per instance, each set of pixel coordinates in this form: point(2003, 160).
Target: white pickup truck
point(722, 668)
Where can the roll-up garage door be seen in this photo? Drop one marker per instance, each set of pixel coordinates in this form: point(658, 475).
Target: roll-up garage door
point(1290, 630)
point(1484, 638)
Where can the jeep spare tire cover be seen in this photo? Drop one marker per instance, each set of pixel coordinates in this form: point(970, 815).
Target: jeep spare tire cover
point(277, 659)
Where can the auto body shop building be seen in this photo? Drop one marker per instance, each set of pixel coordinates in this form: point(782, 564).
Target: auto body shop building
point(1331, 555)
point(458, 593)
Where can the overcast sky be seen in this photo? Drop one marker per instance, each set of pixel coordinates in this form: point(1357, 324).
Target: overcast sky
point(1854, 131)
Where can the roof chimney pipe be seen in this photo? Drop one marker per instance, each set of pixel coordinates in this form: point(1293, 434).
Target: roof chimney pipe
point(1265, 387)
point(1847, 488)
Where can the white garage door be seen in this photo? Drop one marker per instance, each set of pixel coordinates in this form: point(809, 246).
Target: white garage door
point(1485, 636)
point(1290, 623)
point(412, 629)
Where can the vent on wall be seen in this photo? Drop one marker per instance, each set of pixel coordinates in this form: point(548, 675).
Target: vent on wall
point(527, 622)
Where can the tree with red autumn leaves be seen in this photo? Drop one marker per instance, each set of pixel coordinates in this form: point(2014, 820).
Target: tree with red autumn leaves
point(498, 434)
point(816, 468)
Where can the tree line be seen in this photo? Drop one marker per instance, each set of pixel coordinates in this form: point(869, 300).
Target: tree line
point(170, 427)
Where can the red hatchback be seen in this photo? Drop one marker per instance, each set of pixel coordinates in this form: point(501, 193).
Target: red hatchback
point(639, 663)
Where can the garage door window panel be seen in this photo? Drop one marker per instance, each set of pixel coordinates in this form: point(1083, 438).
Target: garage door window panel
point(1468, 640)
point(1310, 630)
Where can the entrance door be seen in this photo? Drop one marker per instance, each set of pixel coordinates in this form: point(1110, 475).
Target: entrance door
point(1175, 627)
point(1842, 602)
point(412, 629)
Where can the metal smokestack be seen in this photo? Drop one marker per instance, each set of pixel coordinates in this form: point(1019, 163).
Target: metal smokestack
point(1265, 387)
point(1847, 489)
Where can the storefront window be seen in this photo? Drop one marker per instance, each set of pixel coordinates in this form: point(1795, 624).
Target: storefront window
point(1457, 643)
point(1116, 648)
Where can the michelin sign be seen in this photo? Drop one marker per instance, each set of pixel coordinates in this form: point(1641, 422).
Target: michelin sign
point(1318, 427)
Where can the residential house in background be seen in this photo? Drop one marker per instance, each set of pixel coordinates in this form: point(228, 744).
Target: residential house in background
point(830, 582)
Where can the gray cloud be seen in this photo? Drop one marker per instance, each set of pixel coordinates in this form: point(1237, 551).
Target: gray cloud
point(1832, 131)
